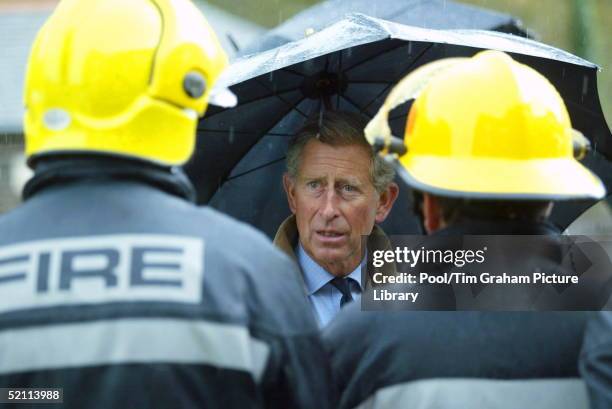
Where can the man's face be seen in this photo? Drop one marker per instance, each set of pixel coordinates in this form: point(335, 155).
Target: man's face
point(335, 203)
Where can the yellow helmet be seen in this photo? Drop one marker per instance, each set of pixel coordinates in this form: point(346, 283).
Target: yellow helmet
point(487, 127)
point(126, 78)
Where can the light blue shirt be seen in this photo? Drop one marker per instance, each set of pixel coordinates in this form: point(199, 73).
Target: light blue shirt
point(323, 296)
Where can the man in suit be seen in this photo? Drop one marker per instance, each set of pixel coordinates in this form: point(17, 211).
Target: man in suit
point(337, 190)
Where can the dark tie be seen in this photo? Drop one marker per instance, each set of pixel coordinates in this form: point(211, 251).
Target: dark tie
point(342, 284)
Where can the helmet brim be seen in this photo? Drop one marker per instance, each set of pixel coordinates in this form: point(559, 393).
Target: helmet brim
point(545, 179)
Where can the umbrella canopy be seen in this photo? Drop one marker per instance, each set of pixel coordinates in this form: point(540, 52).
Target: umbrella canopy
point(351, 66)
point(437, 14)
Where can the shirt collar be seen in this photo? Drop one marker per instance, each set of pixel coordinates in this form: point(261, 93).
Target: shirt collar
point(315, 276)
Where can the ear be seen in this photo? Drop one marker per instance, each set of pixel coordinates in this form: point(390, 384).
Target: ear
point(385, 202)
point(289, 185)
point(432, 214)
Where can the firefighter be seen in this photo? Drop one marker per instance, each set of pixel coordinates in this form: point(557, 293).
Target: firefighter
point(489, 147)
point(114, 286)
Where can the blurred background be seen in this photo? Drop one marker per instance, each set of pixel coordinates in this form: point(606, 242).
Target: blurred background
point(581, 27)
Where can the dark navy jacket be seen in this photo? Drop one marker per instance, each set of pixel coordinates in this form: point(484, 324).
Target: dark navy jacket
point(397, 359)
point(126, 295)
point(596, 360)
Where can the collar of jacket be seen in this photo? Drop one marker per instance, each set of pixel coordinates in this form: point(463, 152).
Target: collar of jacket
point(62, 170)
point(286, 239)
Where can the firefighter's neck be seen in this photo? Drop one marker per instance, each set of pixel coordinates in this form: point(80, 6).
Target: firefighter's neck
point(433, 218)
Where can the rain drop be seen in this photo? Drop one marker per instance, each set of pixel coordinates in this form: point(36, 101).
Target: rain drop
point(321, 117)
point(231, 134)
point(585, 85)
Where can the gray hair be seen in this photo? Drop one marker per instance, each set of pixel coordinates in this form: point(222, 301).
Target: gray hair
point(338, 128)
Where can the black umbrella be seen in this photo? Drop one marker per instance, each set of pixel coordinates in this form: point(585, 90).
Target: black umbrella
point(351, 66)
point(437, 14)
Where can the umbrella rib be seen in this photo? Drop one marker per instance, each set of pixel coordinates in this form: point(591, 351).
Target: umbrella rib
point(294, 107)
point(293, 72)
point(256, 100)
point(354, 104)
point(255, 169)
point(274, 94)
point(234, 164)
point(392, 83)
point(373, 57)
